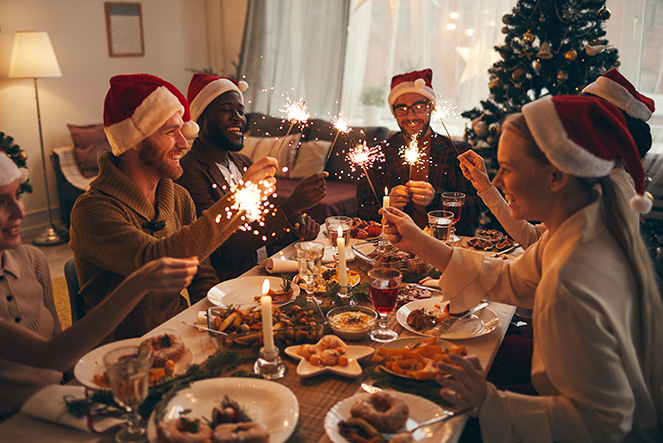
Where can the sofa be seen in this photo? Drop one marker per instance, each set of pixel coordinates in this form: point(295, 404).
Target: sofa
point(300, 154)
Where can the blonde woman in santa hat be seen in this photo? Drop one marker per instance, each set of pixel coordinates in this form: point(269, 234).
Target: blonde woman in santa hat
point(34, 352)
point(613, 87)
point(590, 282)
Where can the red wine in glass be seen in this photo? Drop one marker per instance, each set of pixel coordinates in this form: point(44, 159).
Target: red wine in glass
point(384, 298)
point(455, 207)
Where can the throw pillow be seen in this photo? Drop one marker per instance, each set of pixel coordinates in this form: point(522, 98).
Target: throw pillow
point(310, 159)
point(260, 147)
point(88, 141)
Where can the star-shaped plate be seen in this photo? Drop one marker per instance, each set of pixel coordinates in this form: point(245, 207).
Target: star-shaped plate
point(353, 369)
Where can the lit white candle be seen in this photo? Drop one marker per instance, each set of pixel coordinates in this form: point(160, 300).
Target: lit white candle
point(385, 199)
point(267, 328)
point(342, 267)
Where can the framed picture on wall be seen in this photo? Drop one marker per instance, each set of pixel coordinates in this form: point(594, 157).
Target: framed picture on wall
point(124, 26)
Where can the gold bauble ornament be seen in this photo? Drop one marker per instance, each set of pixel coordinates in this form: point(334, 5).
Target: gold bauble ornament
point(528, 37)
point(617, 63)
point(518, 74)
point(604, 14)
point(571, 55)
point(561, 76)
point(506, 19)
point(537, 66)
point(22, 156)
point(505, 30)
point(495, 84)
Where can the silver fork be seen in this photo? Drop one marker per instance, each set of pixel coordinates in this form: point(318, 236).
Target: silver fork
point(448, 322)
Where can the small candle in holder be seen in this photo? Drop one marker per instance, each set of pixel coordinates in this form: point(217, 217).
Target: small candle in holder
point(267, 327)
point(342, 267)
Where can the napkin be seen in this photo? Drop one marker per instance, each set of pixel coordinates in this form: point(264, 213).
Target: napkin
point(431, 282)
point(48, 404)
point(279, 263)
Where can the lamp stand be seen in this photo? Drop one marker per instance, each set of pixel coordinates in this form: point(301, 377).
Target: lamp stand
point(51, 236)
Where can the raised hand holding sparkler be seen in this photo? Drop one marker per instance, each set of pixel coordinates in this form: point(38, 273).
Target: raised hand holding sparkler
point(341, 125)
point(296, 112)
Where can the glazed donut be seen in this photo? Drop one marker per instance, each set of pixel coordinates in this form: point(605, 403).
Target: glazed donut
point(248, 432)
point(179, 431)
point(384, 411)
point(164, 347)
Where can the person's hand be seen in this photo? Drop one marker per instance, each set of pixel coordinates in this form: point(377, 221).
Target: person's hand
point(262, 170)
point(308, 193)
point(399, 196)
point(166, 274)
point(305, 227)
point(401, 229)
point(474, 169)
point(465, 385)
point(422, 192)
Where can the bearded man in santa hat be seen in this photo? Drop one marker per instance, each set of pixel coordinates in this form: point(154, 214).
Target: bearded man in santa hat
point(417, 190)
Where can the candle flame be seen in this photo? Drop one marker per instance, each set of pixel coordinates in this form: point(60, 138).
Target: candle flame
point(296, 111)
point(265, 287)
point(386, 191)
point(340, 232)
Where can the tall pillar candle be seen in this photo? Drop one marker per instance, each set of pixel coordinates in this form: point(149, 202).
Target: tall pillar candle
point(342, 266)
point(267, 327)
point(385, 203)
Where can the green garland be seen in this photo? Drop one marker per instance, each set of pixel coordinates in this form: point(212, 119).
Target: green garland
point(17, 155)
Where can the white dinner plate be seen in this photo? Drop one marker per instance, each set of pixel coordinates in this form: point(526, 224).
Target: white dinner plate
point(481, 323)
point(420, 411)
point(92, 363)
point(243, 290)
point(266, 402)
point(353, 369)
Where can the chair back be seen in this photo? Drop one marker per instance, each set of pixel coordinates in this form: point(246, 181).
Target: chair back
point(75, 300)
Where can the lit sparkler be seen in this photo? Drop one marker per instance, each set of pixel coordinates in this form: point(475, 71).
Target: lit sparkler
point(296, 112)
point(411, 154)
point(444, 109)
point(341, 125)
point(362, 156)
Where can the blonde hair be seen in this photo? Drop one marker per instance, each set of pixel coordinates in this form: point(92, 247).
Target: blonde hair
point(627, 235)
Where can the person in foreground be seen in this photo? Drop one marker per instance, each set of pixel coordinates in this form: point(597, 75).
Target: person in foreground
point(597, 310)
point(215, 163)
point(613, 87)
point(34, 351)
point(133, 212)
point(418, 189)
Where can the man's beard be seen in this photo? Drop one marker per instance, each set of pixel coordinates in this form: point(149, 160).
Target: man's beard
point(150, 156)
point(218, 138)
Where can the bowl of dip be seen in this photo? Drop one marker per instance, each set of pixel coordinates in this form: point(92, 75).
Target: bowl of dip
point(352, 322)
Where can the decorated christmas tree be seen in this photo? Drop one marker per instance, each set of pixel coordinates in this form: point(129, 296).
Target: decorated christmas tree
point(551, 47)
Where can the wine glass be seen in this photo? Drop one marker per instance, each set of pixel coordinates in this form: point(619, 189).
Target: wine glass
point(439, 223)
point(453, 202)
point(128, 370)
point(332, 224)
point(309, 260)
point(384, 284)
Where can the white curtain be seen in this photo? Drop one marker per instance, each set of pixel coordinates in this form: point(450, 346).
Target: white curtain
point(294, 50)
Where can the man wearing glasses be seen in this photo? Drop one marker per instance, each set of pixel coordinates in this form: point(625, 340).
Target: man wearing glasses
point(416, 189)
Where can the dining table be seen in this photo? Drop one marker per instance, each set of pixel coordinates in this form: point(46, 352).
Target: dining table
point(315, 395)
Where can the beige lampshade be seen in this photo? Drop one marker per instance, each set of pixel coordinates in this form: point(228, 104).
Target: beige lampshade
point(33, 56)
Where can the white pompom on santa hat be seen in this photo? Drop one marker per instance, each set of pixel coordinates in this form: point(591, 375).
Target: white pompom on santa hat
point(582, 135)
point(616, 89)
point(137, 105)
point(9, 171)
point(204, 88)
point(420, 82)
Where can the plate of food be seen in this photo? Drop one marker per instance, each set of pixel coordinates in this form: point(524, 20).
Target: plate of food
point(488, 242)
point(415, 358)
point(421, 317)
point(269, 412)
point(362, 229)
point(405, 412)
point(248, 290)
point(329, 355)
point(90, 370)
point(328, 275)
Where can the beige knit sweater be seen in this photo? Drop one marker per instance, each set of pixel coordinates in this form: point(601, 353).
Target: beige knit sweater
point(110, 239)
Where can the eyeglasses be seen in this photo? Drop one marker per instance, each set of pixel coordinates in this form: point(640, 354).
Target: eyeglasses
point(418, 108)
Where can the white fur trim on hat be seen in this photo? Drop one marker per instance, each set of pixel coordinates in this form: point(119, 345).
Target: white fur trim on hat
point(642, 204)
point(619, 96)
point(551, 137)
point(149, 116)
point(211, 91)
point(9, 172)
point(418, 86)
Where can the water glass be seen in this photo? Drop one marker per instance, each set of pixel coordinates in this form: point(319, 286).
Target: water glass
point(453, 202)
point(332, 224)
point(439, 223)
point(309, 260)
point(128, 369)
point(384, 285)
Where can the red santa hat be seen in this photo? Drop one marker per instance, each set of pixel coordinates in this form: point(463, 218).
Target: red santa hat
point(415, 81)
point(582, 135)
point(137, 105)
point(204, 88)
point(614, 87)
point(9, 171)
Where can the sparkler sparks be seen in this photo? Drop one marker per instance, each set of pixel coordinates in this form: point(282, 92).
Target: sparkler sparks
point(362, 156)
point(411, 154)
point(341, 125)
point(296, 112)
point(444, 109)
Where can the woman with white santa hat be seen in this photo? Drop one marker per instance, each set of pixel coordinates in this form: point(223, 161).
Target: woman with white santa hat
point(34, 352)
point(596, 306)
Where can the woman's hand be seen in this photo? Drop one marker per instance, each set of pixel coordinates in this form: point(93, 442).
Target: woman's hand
point(463, 382)
point(399, 196)
point(165, 274)
point(401, 230)
point(474, 169)
point(422, 192)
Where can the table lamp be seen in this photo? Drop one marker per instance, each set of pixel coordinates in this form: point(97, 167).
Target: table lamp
point(33, 57)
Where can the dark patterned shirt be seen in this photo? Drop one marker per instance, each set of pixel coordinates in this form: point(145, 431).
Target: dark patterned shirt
point(444, 175)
